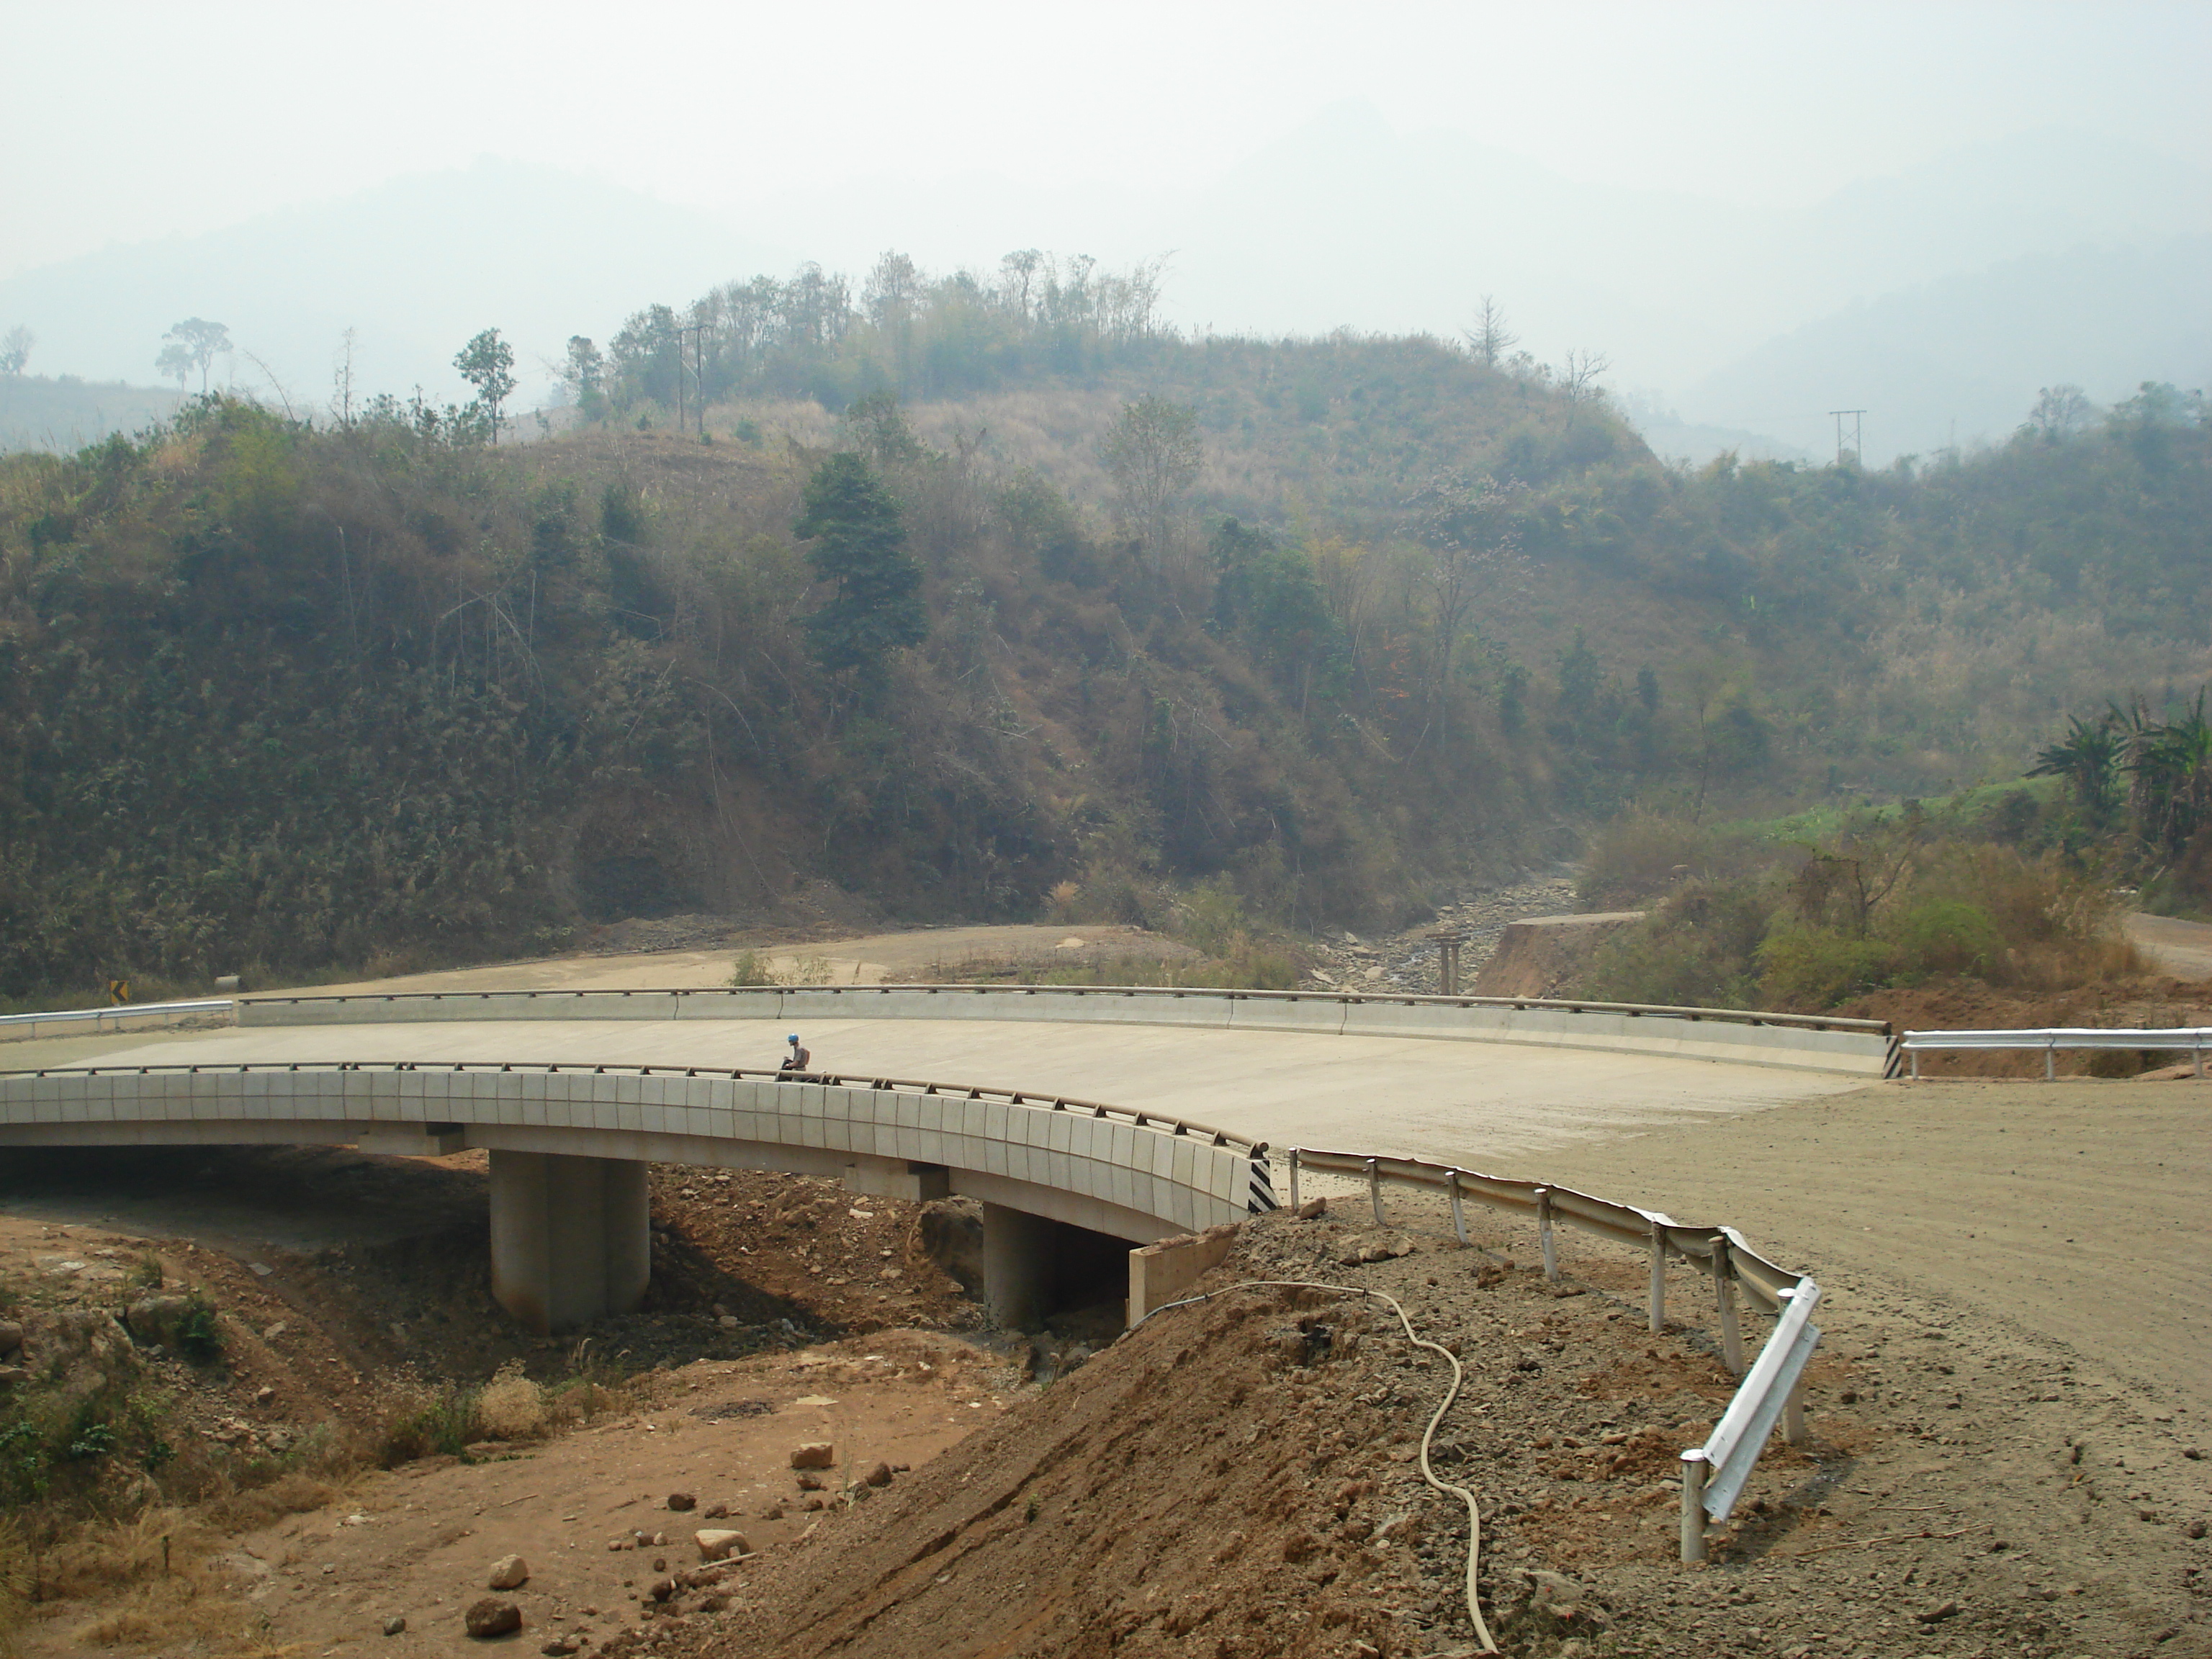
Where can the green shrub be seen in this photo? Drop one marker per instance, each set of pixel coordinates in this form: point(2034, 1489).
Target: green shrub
point(441, 1421)
point(199, 1334)
point(1806, 969)
point(1946, 936)
point(1698, 949)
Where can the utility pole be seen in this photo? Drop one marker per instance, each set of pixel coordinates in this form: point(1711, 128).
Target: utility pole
point(1857, 444)
point(698, 333)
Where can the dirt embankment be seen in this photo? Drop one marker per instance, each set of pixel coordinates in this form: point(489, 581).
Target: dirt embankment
point(1239, 1479)
point(1545, 956)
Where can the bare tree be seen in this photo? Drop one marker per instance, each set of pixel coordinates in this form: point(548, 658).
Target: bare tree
point(1018, 271)
point(1470, 527)
point(1490, 339)
point(2060, 412)
point(341, 379)
point(1154, 453)
point(15, 349)
point(890, 296)
point(1578, 380)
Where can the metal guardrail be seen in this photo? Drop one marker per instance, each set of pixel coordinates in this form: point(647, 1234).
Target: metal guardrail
point(2193, 1040)
point(1718, 1016)
point(121, 1012)
point(1174, 1126)
point(1713, 1475)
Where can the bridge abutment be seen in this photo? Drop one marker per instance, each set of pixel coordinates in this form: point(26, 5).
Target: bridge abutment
point(571, 1238)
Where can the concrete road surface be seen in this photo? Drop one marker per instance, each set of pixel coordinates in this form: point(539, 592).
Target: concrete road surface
point(1467, 1102)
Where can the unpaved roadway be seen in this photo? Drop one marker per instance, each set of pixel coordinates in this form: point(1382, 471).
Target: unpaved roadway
point(2182, 948)
point(874, 959)
point(2077, 1210)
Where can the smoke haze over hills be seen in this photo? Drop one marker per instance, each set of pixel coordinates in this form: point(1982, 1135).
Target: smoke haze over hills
point(1694, 197)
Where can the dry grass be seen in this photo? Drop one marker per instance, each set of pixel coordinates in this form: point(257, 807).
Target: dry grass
point(512, 1406)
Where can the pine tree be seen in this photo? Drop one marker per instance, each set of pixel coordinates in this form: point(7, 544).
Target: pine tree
point(860, 545)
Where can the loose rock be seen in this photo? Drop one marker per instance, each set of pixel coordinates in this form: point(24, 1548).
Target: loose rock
point(719, 1544)
point(394, 1626)
point(879, 1474)
point(491, 1617)
point(508, 1573)
point(815, 1455)
point(681, 1501)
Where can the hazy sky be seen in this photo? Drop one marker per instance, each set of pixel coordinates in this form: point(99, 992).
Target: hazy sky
point(122, 122)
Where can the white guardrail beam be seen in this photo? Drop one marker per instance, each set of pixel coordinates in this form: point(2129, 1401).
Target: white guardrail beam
point(2190, 1039)
point(1713, 1475)
point(102, 1018)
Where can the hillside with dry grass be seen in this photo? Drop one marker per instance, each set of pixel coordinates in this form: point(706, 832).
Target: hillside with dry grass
point(1220, 635)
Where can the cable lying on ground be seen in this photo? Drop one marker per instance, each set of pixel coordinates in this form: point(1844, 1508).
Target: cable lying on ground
point(1428, 1435)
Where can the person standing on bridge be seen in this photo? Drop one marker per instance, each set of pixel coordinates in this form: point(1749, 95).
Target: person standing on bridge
point(797, 1060)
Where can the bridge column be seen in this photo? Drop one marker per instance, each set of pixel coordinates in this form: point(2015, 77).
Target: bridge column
point(1017, 1265)
point(571, 1238)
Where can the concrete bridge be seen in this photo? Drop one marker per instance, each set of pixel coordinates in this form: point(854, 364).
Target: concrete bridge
point(570, 1146)
point(571, 1131)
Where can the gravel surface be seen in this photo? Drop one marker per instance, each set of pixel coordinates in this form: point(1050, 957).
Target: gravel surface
point(1408, 960)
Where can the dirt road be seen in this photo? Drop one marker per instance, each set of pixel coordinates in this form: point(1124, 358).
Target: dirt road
point(2182, 948)
point(873, 959)
point(2076, 1210)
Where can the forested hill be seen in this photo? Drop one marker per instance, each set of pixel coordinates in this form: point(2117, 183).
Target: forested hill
point(1330, 623)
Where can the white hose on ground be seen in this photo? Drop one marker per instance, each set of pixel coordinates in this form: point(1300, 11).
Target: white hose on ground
point(1428, 1435)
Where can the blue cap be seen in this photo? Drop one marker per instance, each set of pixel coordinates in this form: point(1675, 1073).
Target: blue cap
point(794, 1037)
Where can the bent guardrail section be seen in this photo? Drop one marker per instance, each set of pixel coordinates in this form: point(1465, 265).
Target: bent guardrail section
point(2190, 1039)
point(1714, 1473)
point(1137, 1175)
point(1798, 1042)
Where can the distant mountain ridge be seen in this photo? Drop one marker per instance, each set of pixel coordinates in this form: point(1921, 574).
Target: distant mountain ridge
point(1746, 319)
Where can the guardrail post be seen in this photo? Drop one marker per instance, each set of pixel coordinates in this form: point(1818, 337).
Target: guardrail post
point(2199, 1052)
point(1294, 1177)
point(1658, 1277)
point(1916, 1065)
point(1543, 1239)
point(1793, 1415)
point(1724, 1293)
point(1459, 1216)
point(1375, 1192)
point(2051, 1061)
point(1693, 1506)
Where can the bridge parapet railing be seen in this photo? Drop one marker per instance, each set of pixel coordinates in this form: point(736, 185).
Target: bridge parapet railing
point(1713, 1474)
point(2188, 1039)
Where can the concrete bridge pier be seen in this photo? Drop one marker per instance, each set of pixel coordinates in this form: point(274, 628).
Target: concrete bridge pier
point(571, 1238)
